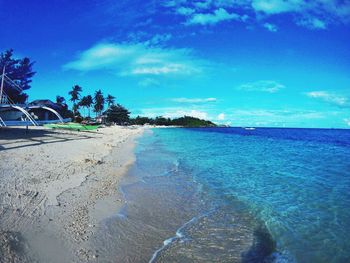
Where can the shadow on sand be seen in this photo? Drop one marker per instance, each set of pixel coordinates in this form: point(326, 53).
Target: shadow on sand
point(262, 249)
point(18, 137)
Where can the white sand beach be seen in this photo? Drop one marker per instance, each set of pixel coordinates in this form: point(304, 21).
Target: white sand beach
point(55, 187)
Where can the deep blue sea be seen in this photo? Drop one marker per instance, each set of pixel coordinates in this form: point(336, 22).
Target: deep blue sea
point(236, 195)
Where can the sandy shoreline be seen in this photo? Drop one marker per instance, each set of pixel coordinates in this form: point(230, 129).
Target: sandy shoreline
point(55, 187)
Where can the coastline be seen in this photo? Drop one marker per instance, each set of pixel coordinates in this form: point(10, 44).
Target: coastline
point(56, 186)
point(172, 216)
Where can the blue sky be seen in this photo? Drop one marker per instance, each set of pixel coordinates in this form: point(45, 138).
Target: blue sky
point(273, 63)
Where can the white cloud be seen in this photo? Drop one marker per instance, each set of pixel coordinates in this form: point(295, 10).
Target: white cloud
point(312, 23)
point(193, 113)
point(219, 15)
point(270, 27)
point(317, 14)
point(136, 59)
point(338, 100)
point(158, 39)
point(160, 69)
point(221, 117)
point(194, 100)
point(276, 6)
point(100, 56)
point(203, 5)
point(263, 86)
point(347, 121)
point(185, 11)
point(148, 82)
point(274, 118)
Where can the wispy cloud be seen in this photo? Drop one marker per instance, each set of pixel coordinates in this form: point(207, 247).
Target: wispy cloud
point(338, 100)
point(273, 118)
point(203, 4)
point(270, 27)
point(221, 117)
point(185, 11)
point(194, 100)
point(219, 15)
point(158, 39)
point(137, 59)
point(272, 7)
point(317, 14)
point(311, 14)
point(269, 86)
point(149, 82)
point(312, 23)
point(347, 121)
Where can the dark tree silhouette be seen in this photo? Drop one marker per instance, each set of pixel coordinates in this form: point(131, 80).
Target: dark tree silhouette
point(185, 121)
point(20, 72)
point(64, 111)
point(99, 102)
point(118, 114)
point(60, 100)
point(83, 103)
point(89, 101)
point(142, 120)
point(110, 100)
point(75, 96)
point(86, 102)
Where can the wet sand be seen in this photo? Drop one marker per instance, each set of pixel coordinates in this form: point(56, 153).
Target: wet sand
point(55, 188)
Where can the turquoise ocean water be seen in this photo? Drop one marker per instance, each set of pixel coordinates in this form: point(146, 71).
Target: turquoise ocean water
point(295, 181)
point(236, 195)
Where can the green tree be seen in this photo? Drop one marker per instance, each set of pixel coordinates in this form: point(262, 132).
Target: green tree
point(60, 100)
point(110, 100)
point(88, 102)
point(118, 114)
point(83, 103)
point(188, 121)
point(142, 120)
point(75, 95)
point(99, 102)
point(20, 73)
point(64, 111)
point(162, 121)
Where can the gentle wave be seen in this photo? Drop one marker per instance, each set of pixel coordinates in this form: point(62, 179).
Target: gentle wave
point(179, 235)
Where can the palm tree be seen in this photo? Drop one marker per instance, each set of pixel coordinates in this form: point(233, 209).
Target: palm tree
point(64, 107)
point(83, 103)
point(99, 102)
point(60, 100)
point(110, 100)
point(75, 95)
point(89, 101)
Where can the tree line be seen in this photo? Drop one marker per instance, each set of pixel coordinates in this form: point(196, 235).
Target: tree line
point(115, 112)
point(20, 71)
point(185, 121)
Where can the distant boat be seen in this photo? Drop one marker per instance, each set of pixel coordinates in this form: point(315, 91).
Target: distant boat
point(249, 128)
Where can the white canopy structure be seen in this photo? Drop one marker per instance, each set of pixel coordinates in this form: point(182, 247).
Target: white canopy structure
point(12, 114)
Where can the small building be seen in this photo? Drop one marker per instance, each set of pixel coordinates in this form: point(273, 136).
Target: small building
point(101, 119)
point(42, 114)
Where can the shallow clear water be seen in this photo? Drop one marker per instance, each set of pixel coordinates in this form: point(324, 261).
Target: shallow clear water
point(235, 195)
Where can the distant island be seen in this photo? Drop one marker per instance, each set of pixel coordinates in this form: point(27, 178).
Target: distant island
point(186, 121)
